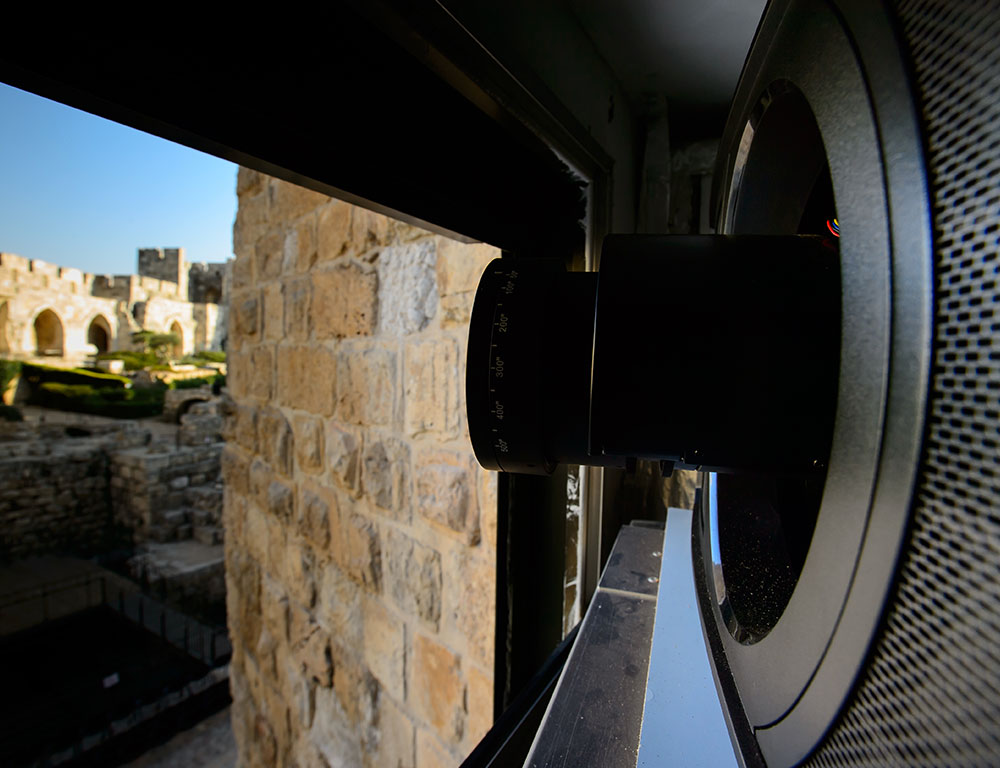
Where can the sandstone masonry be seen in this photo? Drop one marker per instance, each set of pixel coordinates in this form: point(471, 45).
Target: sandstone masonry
point(360, 532)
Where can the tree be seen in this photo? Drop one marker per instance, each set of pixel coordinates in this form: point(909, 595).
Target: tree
point(159, 344)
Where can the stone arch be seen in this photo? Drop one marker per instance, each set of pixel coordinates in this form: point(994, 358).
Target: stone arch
point(4, 323)
point(49, 334)
point(99, 333)
point(177, 350)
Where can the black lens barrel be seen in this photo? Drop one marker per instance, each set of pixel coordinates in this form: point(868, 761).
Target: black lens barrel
point(719, 352)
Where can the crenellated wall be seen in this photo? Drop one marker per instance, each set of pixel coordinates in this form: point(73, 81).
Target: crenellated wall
point(72, 303)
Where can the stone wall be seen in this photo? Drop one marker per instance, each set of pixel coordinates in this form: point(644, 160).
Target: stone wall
point(77, 301)
point(150, 486)
point(360, 532)
point(54, 489)
point(164, 264)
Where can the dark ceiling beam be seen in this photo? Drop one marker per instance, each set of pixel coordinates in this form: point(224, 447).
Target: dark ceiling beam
point(327, 100)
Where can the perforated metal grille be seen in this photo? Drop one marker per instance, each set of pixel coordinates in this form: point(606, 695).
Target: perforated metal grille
point(931, 696)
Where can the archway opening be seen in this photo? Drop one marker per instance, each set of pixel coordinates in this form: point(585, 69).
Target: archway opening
point(177, 350)
point(99, 334)
point(48, 334)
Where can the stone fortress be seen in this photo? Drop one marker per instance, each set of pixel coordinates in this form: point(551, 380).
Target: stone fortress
point(60, 312)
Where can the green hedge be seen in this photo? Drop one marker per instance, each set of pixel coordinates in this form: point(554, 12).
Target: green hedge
point(210, 356)
point(196, 383)
point(37, 375)
point(134, 361)
point(116, 403)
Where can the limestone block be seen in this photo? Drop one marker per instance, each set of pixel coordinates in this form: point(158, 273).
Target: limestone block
point(431, 753)
point(300, 693)
point(432, 387)
point(332, 740)
point(304, 236)
point(344, 302)
point(309, 443)
point(300, 575)
point(269, 253)
point(242, 266)
point(384, 646)
point(386, 476)
point(393, 747)
point(248, 182)
point(456, 310)
point(357, 549)
point(407, 289)
point(356, 688)
point(251, 223)
point(260, 481)
point(444, 496)
point(290, 201)
point(438, 690)
point(460, 265)
point(342, 454)
point(246, 426)
point(272, 315)
point(243, 600)
point(479, 700)
point(369, 229)
point(298, 308)
point(261, 373)
point(281, 500)
point(313, 521)
point(238, 374)
point(486, 492)
point(276, 440)
point(366, 391)
point(338, 606)
point(307, 378)
point(234, 514)
point(413, 577)
point(469, 602)
point(334, 228)
point(266, 743)
point(311, 651)
point(245, 316)
point(265, 653)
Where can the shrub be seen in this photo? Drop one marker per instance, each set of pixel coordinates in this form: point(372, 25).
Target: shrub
point(116, 403)
point(37, 375)
point(195, 383)
point(210, 356)
point(9, 369)
point(134, 361)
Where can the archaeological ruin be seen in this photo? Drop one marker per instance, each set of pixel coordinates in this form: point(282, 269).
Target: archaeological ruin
point(67, 314)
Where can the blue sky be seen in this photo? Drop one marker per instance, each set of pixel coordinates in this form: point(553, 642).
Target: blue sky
point(80, 191)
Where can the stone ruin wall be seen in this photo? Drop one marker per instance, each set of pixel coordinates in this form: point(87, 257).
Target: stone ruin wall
point(360, 532)
point(55, 488)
